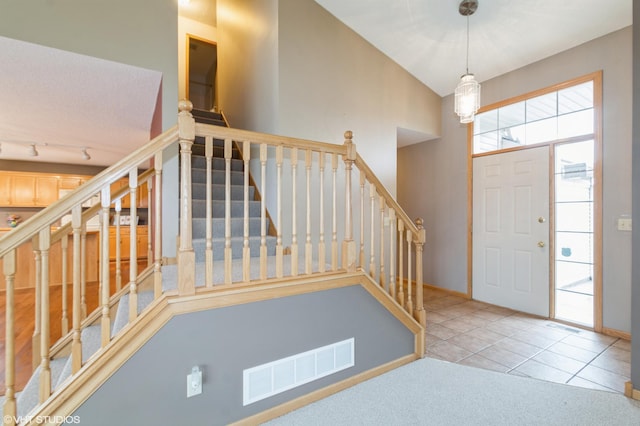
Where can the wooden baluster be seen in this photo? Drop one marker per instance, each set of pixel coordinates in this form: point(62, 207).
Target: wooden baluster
point(157, 224)
point(149, 219)
point(76, 344)
point(208, 251)
point(279, 249)
point(348, 245)
point(246, 250)
point(308, 249)
point(228, 254)
point(118, 206)
point(420, 314)
point(105, 321)
point(37, 332)
point(334, 213)
point(400, 240)
point(372, 231)
point(382, 271)
point(9, 406)
point(133, 248)
point(263, 211)
point(392, 259)
point(361, 256)
point(83, 270)
point(409, 306)
point(294, 218)
point(64, 247)
point(321, 245)
point(44, 239)
point(186, 255)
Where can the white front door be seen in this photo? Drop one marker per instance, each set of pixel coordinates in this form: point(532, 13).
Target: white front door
point(511, 230)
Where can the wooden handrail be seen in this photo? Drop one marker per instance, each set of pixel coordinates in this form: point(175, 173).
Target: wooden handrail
point(55, 211)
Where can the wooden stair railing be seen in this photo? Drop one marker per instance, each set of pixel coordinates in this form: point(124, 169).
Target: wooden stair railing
point(299, 181)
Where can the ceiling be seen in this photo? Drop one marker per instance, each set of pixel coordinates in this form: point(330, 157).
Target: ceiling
point(426, 37)
point(59, 103)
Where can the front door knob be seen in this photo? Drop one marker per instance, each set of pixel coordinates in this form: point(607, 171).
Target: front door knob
point(541, 219)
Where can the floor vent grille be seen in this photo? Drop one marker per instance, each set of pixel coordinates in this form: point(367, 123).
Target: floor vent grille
point(564, 327)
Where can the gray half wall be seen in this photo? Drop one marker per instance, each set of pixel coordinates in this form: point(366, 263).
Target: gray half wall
point(150, 388)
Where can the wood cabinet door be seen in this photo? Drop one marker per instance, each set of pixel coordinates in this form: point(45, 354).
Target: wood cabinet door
point(23, 191)
point(5, 190)
point(46, 190)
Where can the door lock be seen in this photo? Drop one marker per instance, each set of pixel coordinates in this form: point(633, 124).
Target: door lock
point(540, 243)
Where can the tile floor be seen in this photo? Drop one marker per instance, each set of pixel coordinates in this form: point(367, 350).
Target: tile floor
point(494, 338)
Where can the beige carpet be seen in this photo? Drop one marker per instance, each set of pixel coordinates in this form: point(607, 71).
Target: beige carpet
point(434, 392)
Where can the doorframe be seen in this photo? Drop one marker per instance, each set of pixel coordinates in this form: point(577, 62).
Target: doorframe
point(596, 77)
point(188, 38)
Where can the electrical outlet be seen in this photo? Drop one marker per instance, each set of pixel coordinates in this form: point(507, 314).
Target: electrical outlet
point(194, 382)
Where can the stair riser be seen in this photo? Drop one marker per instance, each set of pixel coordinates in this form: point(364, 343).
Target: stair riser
point(237, 245)
point(237, 209)
point(217, 163)
point(218, 151)
point(217, 231)
point(217, 177)
point(198, 192)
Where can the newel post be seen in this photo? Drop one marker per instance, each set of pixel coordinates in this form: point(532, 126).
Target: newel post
point(186, 255)
point(420, 313)
point(348, 245)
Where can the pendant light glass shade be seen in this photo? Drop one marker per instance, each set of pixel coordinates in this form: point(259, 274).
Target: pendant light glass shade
point(467, 98)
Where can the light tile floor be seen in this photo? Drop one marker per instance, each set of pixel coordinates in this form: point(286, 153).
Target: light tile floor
point(494, 338)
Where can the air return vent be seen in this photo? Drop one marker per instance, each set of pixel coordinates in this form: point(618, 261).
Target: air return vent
point(269, 379)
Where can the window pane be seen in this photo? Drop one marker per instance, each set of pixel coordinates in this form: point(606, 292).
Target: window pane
point(542, 130)
point(574, 247)
point(485, 142)
point(575, 98)
point(575, 124)
point(544, 106)
point(574, 153)
point(485, 122)
point(574, 186)
point(576, 217)
point(511, 115)
point(512, 137)
point(569, 273)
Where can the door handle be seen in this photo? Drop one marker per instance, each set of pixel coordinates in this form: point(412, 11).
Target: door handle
point(541, 219)
point(540, 243)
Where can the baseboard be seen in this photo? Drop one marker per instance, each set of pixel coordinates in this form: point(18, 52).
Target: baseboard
point(630, 392)
point(448, 291)
point(616, 333)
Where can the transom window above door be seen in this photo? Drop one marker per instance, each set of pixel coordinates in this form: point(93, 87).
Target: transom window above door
point(556, 115)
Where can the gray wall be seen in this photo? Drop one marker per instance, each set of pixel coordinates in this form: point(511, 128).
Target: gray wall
point(635, 294)
point(150, 388)
point(141, 33)
point(439, 191)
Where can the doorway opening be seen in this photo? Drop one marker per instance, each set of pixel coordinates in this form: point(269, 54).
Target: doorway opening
point(202, 65)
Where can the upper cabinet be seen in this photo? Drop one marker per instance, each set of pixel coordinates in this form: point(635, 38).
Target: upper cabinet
point(23, 189)
point(27, 189)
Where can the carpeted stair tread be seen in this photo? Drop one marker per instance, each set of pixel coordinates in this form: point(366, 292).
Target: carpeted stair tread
point(122, 314)
point(199, 208)
point(28, 398)
point(217, 176)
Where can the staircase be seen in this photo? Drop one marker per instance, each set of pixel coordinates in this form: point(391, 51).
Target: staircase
point(229, 241)
point(199, 187)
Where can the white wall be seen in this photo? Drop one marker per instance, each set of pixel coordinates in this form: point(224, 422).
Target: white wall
point(443, 163)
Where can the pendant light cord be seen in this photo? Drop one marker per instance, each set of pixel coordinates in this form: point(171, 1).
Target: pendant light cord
point(467, 44)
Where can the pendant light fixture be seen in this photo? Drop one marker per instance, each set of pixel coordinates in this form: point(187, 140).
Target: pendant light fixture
point(467, 94)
